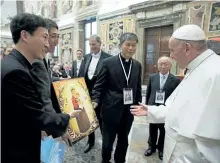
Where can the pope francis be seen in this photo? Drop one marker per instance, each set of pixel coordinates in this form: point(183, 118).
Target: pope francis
point(192, 113)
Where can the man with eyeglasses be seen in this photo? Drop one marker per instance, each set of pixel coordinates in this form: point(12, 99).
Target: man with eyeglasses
point(43, 78)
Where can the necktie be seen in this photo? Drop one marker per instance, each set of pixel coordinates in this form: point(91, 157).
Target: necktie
point(162, 81)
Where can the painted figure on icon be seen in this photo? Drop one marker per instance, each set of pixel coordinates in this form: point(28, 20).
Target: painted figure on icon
point(82, 119)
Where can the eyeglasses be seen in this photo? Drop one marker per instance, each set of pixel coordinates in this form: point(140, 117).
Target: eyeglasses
point(55, 36)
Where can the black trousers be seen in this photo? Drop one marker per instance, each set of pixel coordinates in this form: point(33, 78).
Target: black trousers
point(153, 134)
point(109, 132)
point(91, 139)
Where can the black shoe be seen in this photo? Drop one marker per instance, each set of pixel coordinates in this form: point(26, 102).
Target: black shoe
point(160, 155)
point(88, 147)
point(149, 152)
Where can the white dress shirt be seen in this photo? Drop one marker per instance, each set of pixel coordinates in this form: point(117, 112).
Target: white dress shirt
point(93, 64)
point(78, 64)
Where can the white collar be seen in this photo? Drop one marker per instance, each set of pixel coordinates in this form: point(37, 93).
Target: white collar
point(195, 62)
point(97, 55)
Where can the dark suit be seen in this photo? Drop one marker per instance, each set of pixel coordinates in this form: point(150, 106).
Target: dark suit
point(74, 69)
point(23, 116)
point(42, 77)
point(116, 117)
point(154, 85)
point(90, 84)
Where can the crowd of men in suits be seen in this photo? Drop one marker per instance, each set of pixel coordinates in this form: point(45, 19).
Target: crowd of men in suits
point(113, 82)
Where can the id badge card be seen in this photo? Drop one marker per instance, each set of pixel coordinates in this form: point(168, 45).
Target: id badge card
point(128, 96)
point(160, 97)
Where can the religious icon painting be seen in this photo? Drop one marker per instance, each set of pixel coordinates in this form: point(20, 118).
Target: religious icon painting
point(73, 95)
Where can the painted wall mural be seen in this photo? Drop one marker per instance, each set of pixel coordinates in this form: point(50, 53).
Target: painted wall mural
point(66, 45)
point(111, 30)
point(214, 24)
point(196, 15)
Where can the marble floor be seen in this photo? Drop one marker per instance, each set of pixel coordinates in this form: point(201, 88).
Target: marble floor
point(138, 144)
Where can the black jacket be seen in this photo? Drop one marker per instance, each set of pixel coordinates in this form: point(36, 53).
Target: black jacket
point(154, 85)
point(74, 69)
point(23, 115)
point(109, 88)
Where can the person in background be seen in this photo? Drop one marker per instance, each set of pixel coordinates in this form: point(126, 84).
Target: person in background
point(119, 78)
point(214, 45)
point(78, 65)
point(56, 72)
point(2, 51)
point(65, 71)
point(160, 87)
point(8, 50)
point(92, 67)
point(191, 113)
point(20, 99)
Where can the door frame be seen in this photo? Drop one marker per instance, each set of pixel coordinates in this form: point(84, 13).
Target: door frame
point(144, 65)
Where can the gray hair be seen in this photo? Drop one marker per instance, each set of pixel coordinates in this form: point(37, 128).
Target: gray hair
point(128, 36)
point(96, 37)
point(214, 45)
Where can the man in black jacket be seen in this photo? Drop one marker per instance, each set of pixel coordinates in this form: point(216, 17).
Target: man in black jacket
point(78, 65)
point(92, 65)
point(43, 80)
point(23, 115)
point(118, 86)
point(160, 87)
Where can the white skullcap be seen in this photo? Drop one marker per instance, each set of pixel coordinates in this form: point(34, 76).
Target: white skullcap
point(189, 32)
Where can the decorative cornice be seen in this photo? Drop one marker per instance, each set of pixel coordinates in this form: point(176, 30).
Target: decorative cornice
point(89, 11)
point(161, 20)
point(113, 14)
point(152, 5)
point(66, 26)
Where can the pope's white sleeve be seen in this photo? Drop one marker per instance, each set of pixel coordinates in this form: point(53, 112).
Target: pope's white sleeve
point(156, 114)
point(208, 149)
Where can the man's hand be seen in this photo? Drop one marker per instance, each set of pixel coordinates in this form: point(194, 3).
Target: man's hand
point(94, 104)
point(43, 134)
point(74, 113)
point(139, 110)
point(68, 139)
point(61, 78)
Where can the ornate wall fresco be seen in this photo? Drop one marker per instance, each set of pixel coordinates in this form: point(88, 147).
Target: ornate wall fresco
point(196, 15)
point(206, 15)
point(111, 30)
point(214, 24)
point(66, 46)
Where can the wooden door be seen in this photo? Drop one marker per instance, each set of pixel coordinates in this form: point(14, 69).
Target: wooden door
point(156, 46)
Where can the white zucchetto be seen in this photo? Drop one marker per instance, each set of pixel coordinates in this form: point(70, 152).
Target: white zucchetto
point(189, 32)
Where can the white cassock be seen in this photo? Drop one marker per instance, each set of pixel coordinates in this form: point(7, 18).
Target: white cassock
point(192, 114)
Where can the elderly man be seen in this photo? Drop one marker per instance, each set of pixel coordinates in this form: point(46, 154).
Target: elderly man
point(160, 87)
point(191, 113)
point(118, 86)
